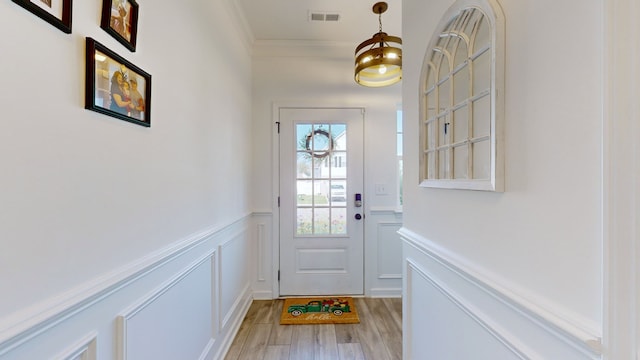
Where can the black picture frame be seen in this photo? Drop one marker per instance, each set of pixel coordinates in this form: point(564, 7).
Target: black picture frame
point(108, 75)
point(120, 20)
point(58, 15)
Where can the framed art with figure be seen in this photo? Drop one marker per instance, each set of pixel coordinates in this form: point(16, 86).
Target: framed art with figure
point(55, 12)
point(116, 87)
point(120, 20)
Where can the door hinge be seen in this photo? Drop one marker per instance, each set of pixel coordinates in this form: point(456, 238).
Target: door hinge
point(278, 124)
point(278, 201)
point(278, 275)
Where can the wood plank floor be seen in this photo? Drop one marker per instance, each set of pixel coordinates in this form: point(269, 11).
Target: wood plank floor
point(378, 336)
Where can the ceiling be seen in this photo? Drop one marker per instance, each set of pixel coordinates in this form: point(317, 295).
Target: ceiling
point(290, 19)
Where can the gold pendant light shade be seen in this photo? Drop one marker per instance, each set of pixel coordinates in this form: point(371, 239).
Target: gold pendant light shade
point(378, 61)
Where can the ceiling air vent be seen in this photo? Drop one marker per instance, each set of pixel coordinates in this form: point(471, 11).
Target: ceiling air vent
point(323, 16)
point(331, 17)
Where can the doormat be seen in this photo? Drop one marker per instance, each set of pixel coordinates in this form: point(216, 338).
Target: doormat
point(319, 310)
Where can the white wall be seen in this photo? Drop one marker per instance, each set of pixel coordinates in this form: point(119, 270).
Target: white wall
point(539, 244)
point(322, 75)
point(98, 213)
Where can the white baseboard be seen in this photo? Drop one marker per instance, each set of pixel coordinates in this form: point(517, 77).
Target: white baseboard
point(385, 292)
point(263, 295)
point(233, 325)
point(206, 353)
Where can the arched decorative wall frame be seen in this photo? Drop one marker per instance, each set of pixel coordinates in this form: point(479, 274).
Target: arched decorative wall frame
point(462, 99)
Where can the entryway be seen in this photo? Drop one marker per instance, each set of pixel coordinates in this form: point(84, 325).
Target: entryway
point(378, 336)
point(321, 194)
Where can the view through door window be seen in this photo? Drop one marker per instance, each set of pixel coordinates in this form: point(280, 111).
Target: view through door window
point(321, 179)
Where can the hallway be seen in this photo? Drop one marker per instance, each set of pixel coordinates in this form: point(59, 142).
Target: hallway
point(377, 337)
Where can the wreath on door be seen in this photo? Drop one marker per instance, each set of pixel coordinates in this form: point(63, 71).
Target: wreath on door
point(319, 154)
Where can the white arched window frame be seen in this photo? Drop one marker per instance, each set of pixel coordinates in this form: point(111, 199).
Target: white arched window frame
point(462, 99)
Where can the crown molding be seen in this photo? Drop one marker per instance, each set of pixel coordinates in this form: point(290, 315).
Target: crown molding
point(241, 23)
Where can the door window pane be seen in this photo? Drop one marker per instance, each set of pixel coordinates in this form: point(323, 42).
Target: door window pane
point(338, 193)
point(304, 193)
point(321, 221)
point(339, 221)
point(321, 193)
point(304, 165)
point(338, 131)
point(302, 130)
point(320, 139)
point(321, 179)
point(304, 225)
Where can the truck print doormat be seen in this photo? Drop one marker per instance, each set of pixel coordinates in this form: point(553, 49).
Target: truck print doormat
point(319, 310)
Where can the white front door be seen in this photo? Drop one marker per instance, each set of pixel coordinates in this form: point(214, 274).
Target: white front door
point(321, 223)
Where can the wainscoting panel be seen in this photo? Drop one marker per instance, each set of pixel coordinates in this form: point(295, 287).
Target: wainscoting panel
point(454, 331)
point(85, 349)
point(234, 274)
point(450, 313)
point(383, 253)
point(261, 236)
point(184, 301)
point(389, 250)
point(263, 270)
point(155, 328)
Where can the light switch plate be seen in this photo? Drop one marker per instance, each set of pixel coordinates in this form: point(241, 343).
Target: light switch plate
point(381, 189)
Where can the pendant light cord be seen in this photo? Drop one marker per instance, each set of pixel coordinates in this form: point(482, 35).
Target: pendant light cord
point(380, 22)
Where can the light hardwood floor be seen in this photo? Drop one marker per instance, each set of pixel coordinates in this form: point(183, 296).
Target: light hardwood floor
point(378, 336)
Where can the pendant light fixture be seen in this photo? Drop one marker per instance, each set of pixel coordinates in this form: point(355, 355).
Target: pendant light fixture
point(379, 59)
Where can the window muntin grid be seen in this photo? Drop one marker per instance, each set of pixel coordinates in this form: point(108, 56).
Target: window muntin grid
point(458, 110)
point(321, 179)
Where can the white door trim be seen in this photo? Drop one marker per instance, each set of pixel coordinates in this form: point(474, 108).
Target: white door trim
point(275, 178)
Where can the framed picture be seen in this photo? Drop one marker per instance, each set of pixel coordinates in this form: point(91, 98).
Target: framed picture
point(116, 87)
point(120, 19)
point(55, 12)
